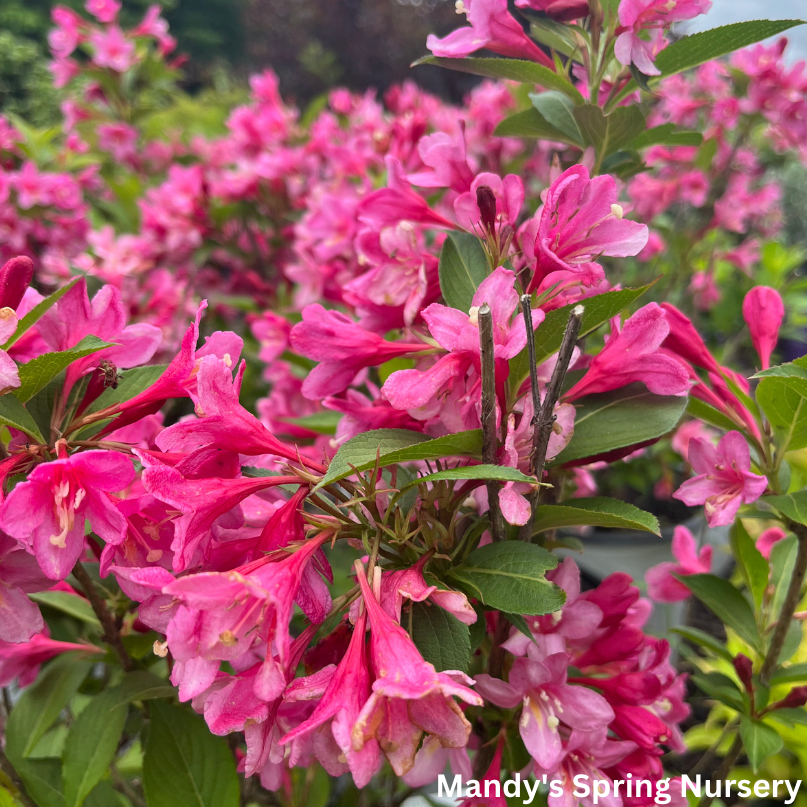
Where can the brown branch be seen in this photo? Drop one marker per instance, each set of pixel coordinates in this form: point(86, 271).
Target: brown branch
point(544, 414)
point(111, 633)
point(725, 768)
point(490, 440)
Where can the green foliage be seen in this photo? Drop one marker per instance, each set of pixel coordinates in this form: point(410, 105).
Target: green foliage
point(760, 741)
point(784, 401)
point(442, 639)
point(14, 414)
point(599, 511)
point(463, 266)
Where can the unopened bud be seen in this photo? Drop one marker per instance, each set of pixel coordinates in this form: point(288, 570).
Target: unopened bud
point(15, 277)
point(795, 699)
point(745, 670)
point(486, 202)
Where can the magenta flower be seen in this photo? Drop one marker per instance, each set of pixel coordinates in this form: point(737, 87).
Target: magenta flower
point(155, 26)
point(579, 221)
point(458, 333)
point(342, 347)
point(558, 10)
point(631, 354)
point(19, 574)
point(493, 28)
point(724, 479)
point(661, 585)
point(103, 10)
point(21, 661)
point(409, 698)
point(642, 15)
point(334, 717)
point(46, 512)
point(767, 539)
point(684, 340)
point(548, 703)
point(489, 789)
point(112, 49)
point(64, 38)
point(15, 278)
point(763, 312)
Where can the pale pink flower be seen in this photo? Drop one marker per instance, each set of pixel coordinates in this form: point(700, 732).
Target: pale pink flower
point(661, 585)
point(112, 49)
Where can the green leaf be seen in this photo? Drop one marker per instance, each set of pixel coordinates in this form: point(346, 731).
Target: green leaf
point(558, 111)
point(141, 685)
point(784, 401)
point(793, 369)
point(599, 511)
point(549, 334)
point(782, 563)
point(665, 135)
point(131, 382)
point(14, 414)
point(792, 505)
point(35, 374)
point(68, 604)
point(184, 764)
point(324, 422)
point(721, 688)
point(463, 266)
point(703, 411)
point(625, 417)
point(531, 123)
point(726, 602)
point(510, 69)
point(442, 639)
point(398, 445)
point(511, 576)
point(759, 741)
point(753, 566)
point(793, 674)
point(92, 744)
point(43, 702)
point(42, 779)
point(608, 133)
point(704, 640)
point(36, 313)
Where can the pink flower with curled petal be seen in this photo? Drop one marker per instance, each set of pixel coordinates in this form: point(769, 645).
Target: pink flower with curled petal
point(767, 539)
point(342, 347)
point(337, 712)
point(446, 159)
point(458, 333)
point(724, 479)
point(103, 10)
point(661, 585)
point(21, 661)
point(763, 312)
point(493, 28)
point(643, 15)
point(409, 698)
point(112, 49)
point(631, 354)
point(548, 701)
point(46, 512)
point(579, 221)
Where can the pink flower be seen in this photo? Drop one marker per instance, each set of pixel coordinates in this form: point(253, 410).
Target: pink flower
point(579, 221)
point(458, 333)
point(489, 790)
point(47, 511)
point(661, 585)
point(19, 574)
point(342, 347)
point(492, 27)
point(155, 26)
point(112, 49)
point(408, 697)
point(724, 479)
point(337, 712)
point(22, 661)
point(687, 432)
point(684, 339)
point(9, 374)
point(642, 15)
point(767, 539)
point(763, 312)
point(15, 278)
point(548, 703)
point(632, 355)
point(119, 139)
point(558, 10)
point(103, 10)
point(64, 39)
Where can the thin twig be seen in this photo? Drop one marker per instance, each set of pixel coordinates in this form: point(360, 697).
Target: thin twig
point(544, 414)
point(490, 440)
point(8, 769)
point(111, 633)
point(725, 768)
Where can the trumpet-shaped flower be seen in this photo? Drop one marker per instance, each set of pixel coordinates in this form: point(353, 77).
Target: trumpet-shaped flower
point(763, 312)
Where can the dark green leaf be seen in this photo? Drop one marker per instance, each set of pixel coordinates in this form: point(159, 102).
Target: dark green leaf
point(759, 741)
point(14, 414)
point(721, 688)
point(666, 135)
point(184, 764)
point(599, 511)
point(753, 566)
point(442, 639)
point(132, 382)
point(531, 123)
point(784, 401)
point(141, 685)
point(726, 602)
point(398, 445)
point(608, 133)
point(463, 266)
point(558, 111)
point(69, 604)
point(520, 624)
point(36, 313)
point(511, 576)
point(703, 411)
point(792, 505)
point(35, 374)
point(510, 69)
point(42, 778)
point(92, 744)
point(625, 417)
point(703, 639)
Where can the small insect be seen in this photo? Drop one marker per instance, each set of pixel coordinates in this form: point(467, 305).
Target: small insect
point(111, 377)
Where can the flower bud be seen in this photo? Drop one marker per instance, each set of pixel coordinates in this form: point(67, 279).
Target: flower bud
point(558, 10)
point(486, 202)
point(744, 669)
point(15, 277)
point(763, 313)
point(795, 699)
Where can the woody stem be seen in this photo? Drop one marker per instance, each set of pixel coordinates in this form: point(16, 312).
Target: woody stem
point(490, 440)
point(545, 413)
point(111, 633)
